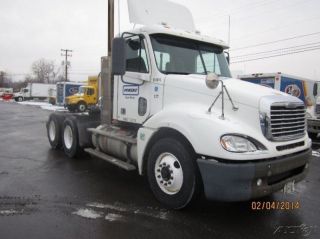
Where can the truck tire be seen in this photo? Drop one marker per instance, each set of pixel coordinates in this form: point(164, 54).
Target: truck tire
point(172, 173)
point(312, 135)
point(20, 99)
point(82, 106)
point(70, 138)
point(54, 132)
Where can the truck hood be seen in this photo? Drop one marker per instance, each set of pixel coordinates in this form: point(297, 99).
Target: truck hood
point(241, 92)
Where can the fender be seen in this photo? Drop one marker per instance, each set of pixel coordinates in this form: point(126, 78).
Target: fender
point(203, 130)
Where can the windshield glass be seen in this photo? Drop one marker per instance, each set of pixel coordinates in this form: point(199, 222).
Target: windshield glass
point(177, 55)
point(82, 90)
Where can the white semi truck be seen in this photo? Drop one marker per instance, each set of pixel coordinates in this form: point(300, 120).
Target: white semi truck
point(34, 91)
point(171, 111)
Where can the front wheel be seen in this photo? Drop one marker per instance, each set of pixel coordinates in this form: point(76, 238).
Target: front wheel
point(312, 135)
point(172, 173)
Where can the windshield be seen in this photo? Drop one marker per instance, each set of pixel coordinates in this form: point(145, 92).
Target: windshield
point(177, 55)
point(82, 90)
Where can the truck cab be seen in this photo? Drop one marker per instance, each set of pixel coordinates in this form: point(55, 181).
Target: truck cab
point(174, 114)
point(86, 97)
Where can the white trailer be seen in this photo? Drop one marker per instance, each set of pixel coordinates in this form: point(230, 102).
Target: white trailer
point(34, 91)
point(171, 111)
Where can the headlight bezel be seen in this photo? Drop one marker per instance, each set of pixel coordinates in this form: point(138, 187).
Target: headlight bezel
point(258, 146)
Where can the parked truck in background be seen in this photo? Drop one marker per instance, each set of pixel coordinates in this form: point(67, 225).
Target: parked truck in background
point(305, 89)
point(87, 96)
point(66, 89)
point(171, 111)
point(34, 91)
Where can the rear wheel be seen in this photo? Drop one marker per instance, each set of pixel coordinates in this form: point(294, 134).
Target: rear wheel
point(70, 139)
point(54, 132)
point(172, 173)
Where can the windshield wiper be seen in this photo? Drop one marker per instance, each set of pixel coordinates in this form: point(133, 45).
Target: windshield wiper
point(176, 73)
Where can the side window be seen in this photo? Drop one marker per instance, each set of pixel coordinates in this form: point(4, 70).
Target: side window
point(25, 91)
point(90, 91)
point(136, 56)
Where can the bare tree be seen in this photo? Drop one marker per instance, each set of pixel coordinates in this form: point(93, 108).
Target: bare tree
point(2, 73)
point(5, 80)
point(44, 71)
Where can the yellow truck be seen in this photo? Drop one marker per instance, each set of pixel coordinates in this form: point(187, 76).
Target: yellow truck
point(86, 97)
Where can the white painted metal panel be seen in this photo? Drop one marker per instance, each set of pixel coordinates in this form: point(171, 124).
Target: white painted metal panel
point(152, 12)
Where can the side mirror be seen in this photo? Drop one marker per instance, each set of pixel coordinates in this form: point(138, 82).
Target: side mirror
point(315, 89)
point(212, 80)
point(227, 57)
point(119, 56)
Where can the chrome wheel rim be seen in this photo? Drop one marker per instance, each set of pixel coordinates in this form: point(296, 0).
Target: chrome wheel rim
point(52, 130)
point(68, 137)
point(168, 173)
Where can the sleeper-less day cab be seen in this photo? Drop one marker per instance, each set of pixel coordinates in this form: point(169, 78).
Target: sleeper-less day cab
point(176, 116)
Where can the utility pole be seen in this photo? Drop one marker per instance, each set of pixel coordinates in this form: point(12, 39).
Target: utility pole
point(65, 53)
point(106, 77)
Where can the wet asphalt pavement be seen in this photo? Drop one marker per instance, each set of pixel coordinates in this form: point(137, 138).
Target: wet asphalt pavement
point(44, 194)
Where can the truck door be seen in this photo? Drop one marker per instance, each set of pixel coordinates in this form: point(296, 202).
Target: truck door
point(133, 89)
point(91, 96)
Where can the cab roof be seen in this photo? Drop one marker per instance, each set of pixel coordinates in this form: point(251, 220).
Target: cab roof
point(166, 29)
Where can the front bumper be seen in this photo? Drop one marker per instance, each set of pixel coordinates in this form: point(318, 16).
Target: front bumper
point(229, 181)
point(313, 126)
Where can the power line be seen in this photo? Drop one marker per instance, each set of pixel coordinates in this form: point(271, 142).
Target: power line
point(276, 41)
point(279, 49)
point(314, 18)
point(307, 49)
point(66, 62)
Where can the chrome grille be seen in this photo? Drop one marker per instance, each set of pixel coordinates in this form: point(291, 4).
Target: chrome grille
point(287, 121)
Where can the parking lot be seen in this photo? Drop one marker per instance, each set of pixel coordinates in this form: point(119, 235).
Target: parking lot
point(44, 194)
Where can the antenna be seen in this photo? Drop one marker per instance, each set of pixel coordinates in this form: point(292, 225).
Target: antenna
point(229, 26)
point(119, 17)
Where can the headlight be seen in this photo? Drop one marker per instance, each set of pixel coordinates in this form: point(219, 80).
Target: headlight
point(240, 144)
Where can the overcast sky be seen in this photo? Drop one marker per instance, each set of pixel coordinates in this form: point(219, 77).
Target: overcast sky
point(30, 30)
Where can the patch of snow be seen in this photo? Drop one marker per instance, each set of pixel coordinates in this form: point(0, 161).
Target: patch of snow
point(53, 107)
point(315, 153)
point(147, 212)
point(111, 217)
point(10, 212)
point(34, 103)
point(154, 214)
point(107, 206)
point(88, 213)
point(43, 105)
